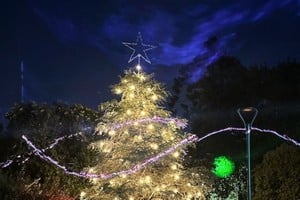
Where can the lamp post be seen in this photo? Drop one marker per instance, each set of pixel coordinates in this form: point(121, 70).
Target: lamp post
point(248, 116)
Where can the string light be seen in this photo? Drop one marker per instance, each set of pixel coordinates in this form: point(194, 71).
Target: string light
point(179, 122)
point(52, 145)
point(134, 169)
point(190, 139)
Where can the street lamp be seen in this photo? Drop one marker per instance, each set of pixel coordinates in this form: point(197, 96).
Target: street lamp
point(248, 116)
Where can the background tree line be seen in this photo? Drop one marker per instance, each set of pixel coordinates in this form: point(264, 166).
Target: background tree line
point(209, 104)
point(42, 123)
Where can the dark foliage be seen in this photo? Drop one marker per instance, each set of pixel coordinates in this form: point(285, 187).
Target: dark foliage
point(42, 123)
point(277, 176)
point(228, 85)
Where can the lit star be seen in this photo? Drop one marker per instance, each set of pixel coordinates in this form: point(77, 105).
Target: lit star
point(139, 49)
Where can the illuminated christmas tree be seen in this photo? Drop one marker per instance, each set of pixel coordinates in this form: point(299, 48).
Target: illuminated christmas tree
point(136, 128)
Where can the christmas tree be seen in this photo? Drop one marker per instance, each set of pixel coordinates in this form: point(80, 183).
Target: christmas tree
point(135, 128)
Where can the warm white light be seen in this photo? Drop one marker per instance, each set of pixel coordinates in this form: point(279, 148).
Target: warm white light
point(95, 180)
point(101, 144)
point(138, 67)
point(150, 127)
point(148, 179)
point(128, 112)
point(138, 138)
point(154, 146)
point(106, 149)
point(118, 91)
point(82, 194)
point(176, 154)
point(91, 170)
point(141, 181)
point(131, 95)
point(111, 133)
point(123, 176)
point(132, 87)
point(142, 77)
point(189, 196)
point(176, 177)
point(112, 182)
point(154, 97)
point(173, 166)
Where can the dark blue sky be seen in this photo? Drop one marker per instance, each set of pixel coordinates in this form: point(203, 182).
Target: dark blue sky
point(72, 50)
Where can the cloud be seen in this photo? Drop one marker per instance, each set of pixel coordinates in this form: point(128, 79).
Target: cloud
point(180, 29)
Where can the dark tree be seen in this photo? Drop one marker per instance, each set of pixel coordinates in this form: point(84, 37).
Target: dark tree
point(42, 123)
point(277, 176)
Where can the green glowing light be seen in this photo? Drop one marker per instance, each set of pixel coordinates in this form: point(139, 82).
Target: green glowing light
point(223, 167)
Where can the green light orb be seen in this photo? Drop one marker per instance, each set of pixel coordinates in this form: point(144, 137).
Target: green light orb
point(223, 167)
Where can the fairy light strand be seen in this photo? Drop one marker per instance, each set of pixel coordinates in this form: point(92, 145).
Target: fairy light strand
point(190, 139)
point(179, 122)
point(285, 137)
point(134, 169)
point(52, 145)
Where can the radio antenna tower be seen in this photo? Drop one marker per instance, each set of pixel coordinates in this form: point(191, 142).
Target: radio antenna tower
point(22, 82)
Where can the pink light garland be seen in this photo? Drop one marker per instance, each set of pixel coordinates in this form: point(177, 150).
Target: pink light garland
point(285, 137)
point(135, 168)
point(178, 122)
point(56, 141)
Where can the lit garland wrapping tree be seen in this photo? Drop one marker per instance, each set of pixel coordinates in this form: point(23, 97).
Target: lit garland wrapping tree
point(137, 128)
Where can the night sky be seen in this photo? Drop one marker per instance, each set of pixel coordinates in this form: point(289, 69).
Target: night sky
point(72, 50)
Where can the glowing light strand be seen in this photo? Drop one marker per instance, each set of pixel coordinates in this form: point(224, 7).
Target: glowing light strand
point(179, 122)
point(219, 131)
point(285, 137)
point(135, 168)
point(190, 139)
point(6, 163)
point(52, 145)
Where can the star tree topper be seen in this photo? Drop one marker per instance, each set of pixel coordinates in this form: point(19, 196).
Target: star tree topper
point(139, 50)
